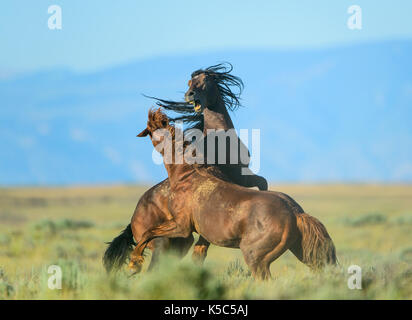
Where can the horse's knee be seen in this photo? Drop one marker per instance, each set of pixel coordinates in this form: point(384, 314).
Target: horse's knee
point(136, 263)
point(199, 253)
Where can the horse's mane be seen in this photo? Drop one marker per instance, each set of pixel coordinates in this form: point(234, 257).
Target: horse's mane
point(224, 81)
point(159, 120)
point(188, 115)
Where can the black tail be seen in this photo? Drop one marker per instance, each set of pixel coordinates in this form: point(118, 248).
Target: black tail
point(118, 250)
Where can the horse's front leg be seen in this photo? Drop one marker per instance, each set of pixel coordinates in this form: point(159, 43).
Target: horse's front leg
point(168, 229)
point(200, 250)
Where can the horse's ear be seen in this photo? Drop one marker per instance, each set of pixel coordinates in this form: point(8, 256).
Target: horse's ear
point(144, 133)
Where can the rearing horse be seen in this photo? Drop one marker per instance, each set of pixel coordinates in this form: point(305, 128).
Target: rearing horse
point(210, 92)
point(261, 223)
point(209, 89)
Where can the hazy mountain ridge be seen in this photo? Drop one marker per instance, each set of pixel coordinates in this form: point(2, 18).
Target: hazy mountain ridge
point(340, 114)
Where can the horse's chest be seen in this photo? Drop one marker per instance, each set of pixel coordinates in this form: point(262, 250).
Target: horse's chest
point(182, 202)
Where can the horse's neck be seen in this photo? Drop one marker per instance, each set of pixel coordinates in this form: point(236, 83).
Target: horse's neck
point(217, 118)
point(178, 172)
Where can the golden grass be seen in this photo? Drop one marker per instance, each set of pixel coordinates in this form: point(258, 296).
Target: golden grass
point(370, 225)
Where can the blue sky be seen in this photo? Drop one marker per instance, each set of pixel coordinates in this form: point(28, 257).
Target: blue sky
point(100, 34)
point(338, 99)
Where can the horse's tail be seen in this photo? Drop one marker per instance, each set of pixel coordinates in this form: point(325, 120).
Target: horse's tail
point(315, 247)
point(118, 250)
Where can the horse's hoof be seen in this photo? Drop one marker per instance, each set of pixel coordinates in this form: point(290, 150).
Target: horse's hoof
point(135, 266)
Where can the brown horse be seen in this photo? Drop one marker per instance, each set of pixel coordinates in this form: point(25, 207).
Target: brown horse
point(210, 92)
point(151, 210)
point(262, 224)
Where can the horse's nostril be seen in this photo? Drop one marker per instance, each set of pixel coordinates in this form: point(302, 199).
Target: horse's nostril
point(191, 93)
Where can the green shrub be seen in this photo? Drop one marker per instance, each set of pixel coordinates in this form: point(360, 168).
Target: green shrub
point(6, 289)
point(5, 239)
point(174, 279)
point(366, 220)
point(406, 255)
point(51, 227)
point(236, 269)
point(404, 220)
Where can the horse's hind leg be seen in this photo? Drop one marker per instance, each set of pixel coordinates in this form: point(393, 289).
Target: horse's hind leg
point(257, 181)
point(254, 250)
point(271, 256)
point(200, 250)
point(252, 180)
point(259, 255)
point(285, 243)
point(253, 259)
point(260, 265)
point(297, 249)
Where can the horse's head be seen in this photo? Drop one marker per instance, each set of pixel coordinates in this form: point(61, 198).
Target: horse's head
point(202, 92)
point(157, 120)
point(208, 87)
point(158, 127)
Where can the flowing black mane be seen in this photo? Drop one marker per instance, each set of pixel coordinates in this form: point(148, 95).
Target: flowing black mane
point(187, 113)
point(220, 73)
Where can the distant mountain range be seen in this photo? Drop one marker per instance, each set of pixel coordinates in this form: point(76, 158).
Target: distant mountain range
point(338, 114)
